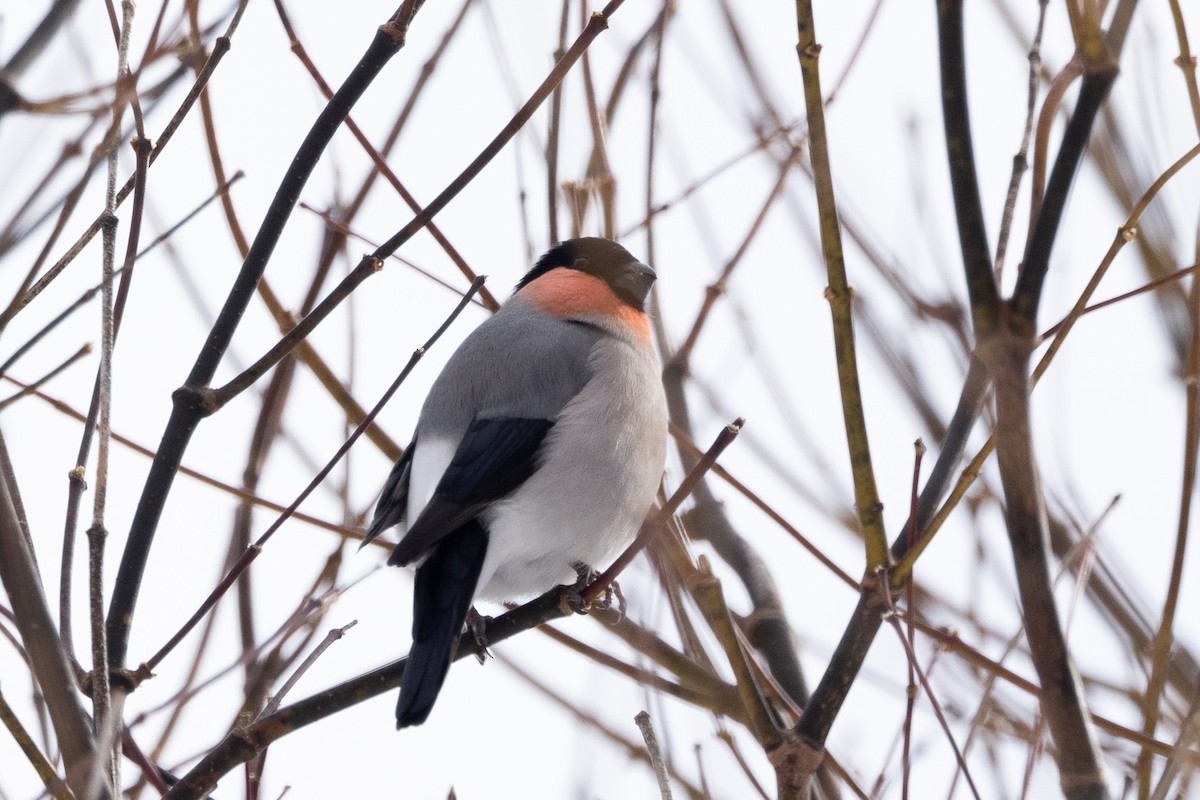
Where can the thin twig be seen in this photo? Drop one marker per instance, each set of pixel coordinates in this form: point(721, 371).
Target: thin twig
point(717, 287)
point(31, 388)
point(337, 633)
point(642, 719)
point(1021, 159)
point(866, 496)
point(107, 715)
point(910, 631)
point(891, 617)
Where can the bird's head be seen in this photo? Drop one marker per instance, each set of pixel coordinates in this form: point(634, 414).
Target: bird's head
point(629, 279)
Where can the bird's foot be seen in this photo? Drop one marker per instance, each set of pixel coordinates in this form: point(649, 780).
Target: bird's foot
point(477, 625)
point(575, 602)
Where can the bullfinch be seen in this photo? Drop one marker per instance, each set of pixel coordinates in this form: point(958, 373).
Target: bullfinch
point(537, 454)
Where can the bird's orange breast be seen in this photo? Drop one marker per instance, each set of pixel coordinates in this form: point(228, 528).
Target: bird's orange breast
point(567, 293)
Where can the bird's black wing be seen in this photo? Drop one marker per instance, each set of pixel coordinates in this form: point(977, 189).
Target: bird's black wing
point(394, 499)
point(493, 459)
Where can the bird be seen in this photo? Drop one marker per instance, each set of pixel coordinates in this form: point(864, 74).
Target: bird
point(537, 454)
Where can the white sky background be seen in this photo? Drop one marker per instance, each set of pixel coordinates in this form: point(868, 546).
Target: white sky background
point(1109, 417)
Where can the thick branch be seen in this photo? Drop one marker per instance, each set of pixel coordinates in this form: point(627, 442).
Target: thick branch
point(1061, 694)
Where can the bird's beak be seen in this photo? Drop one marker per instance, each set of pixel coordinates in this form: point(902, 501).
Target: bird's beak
point(634, 282)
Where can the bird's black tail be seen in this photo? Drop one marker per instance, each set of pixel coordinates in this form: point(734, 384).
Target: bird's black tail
point(444, 587)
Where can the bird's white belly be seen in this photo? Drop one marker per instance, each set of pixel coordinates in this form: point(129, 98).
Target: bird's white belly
point(585, 503)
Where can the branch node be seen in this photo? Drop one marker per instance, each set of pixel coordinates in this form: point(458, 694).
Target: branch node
point(123, 680)
point(394, 31)
point(203, 400)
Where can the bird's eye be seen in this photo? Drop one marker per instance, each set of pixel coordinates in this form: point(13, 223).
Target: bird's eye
point(581, 264)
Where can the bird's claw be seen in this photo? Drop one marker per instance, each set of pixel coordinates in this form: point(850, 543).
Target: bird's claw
point(574, 601)
point(477, 625)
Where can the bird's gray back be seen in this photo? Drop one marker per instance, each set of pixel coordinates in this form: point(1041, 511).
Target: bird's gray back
point(520, 363)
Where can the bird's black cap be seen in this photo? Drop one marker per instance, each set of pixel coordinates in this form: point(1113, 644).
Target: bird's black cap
point(629, 278)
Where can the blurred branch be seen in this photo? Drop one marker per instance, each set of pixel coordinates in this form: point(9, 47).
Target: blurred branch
point(54, 784)
point(710, 597)
point(1189, 734)
point(47, 660)
point(84, 350)
point(1186, 61)
point(713, 695)
point(1164, 637)
point(688, 668)
point(59, 12)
